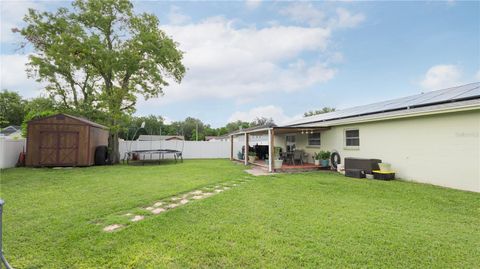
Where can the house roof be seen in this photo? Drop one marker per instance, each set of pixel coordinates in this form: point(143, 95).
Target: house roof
point(88, 122)
point(10, 130)
point(454, 96)
point(253, 129)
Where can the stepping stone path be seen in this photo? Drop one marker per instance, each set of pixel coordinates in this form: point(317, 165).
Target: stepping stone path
point(111, 228)
point(137, 218)
point(170, 203)
point(158, 210)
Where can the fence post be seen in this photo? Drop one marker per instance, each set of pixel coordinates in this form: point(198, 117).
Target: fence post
point(4, 261)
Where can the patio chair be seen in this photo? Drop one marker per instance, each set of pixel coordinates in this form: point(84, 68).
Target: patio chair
point(298, 156)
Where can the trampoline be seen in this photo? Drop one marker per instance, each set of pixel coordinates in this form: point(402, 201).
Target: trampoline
point(152, 153)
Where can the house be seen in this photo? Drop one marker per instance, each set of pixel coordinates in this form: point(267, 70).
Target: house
point(160, 137)
point(430, 137)
point(63, 140)
point(12, 131)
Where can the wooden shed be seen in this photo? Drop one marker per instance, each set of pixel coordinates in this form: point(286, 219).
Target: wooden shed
point(63, 140)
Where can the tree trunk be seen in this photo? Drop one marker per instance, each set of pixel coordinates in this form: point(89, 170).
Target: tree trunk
point(114, 148)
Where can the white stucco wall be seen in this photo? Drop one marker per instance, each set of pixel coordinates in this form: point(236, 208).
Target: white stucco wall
point(442, 149)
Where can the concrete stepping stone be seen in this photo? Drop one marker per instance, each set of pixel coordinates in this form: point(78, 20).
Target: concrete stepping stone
point(218, 190)
point(226, 188)
point(111, 228)
point(137, 218)
point(128, 214)
point(158, 210)
point(207, 194)
point(149, 208)
point(196, 192)
point(197, 197)
point(172, 205)
point(183, 201)
point(157, 204)
point(175, 198)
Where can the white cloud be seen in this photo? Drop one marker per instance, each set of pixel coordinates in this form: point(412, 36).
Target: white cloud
point(175, 17)
point(304, 12)
point(270, 111)
point(308, 13)
point(14, 77)
point(345, 19)
point(11, 14)
point(252, 4)
point(477, 75)
point(228, 62)
point(441, 76)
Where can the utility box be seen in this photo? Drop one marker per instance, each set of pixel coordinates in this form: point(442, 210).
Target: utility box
point(367, 165)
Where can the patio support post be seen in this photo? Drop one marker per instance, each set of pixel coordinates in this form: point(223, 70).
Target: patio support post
point(271, 150)
point(245, 157)
point(231, 147)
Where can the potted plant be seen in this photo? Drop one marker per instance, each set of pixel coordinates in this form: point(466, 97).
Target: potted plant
point(252, 156)
point(239, 155)
point(277, 162)
point(325, 158)
point(316, 158)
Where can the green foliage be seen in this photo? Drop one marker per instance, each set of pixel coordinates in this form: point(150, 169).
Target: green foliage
point(261, 121)
point(308, 220)
point(32, 115)
point(236, 125)
point(252, 153)
point(12, 108)
point(320, 111)
point(100, 56)
point(40, 104)
point(277, 151)
point(324, 155)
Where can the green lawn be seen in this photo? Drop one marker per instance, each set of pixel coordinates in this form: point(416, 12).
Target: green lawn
point(291, 220)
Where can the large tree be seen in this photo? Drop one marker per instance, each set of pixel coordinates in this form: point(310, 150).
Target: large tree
point(319, 111)
point(100, 56)
point(12, 108)
point(261, 121)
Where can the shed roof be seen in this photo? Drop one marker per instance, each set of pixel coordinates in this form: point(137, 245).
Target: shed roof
point(423, 100)
point(88, 122)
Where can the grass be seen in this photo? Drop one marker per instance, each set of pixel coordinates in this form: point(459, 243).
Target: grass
point(288, 221)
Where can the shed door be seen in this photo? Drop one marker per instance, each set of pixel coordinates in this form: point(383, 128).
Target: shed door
point(58, 148)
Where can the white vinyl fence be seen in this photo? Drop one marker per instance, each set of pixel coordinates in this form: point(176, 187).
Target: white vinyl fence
point(9, 151)
point(190, 149)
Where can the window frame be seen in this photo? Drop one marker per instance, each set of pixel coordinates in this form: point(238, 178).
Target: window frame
point(346, 138)
point(319, 140)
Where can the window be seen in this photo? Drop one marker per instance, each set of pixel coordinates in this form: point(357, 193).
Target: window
point(352, 138)
point(290, 139)
point(314, 139)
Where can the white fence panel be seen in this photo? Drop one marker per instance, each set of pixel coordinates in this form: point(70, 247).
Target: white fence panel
point(190, 149)
point(9, 151)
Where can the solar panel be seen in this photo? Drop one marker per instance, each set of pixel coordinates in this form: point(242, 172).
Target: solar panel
point(453, 94)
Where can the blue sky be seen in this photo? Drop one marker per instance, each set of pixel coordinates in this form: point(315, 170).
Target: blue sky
point(280, 59)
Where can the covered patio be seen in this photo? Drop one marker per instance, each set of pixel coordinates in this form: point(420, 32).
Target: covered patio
point(279, 142)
